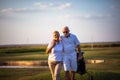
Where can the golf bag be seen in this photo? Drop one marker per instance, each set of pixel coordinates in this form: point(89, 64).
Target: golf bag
point(81, 67)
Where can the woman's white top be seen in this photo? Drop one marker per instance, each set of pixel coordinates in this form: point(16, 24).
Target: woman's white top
point(56, 52)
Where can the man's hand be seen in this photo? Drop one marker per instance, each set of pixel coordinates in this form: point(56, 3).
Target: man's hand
point(48, 50)
point(53, 43)
point(80, 56)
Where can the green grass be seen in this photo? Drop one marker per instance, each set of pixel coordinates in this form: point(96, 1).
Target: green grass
point(44, 74)
point(31, 52)
point(96, 53)
point(102, 53)
point(11, 50)
point(109, 70)
point(24, 56)
point(21, 73)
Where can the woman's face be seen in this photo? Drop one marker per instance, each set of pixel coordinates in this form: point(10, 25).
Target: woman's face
point(56, 36)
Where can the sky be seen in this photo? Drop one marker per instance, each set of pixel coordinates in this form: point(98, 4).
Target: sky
point(33, 21)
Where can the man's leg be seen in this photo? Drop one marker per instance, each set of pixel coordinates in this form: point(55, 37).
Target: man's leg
point(72, 75)
point(67, 75)
point(67, 67)
point(73, 66)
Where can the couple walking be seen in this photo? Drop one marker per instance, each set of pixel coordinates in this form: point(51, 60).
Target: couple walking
point(62, 52)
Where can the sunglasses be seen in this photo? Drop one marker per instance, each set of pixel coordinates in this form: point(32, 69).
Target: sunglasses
point(65, 32)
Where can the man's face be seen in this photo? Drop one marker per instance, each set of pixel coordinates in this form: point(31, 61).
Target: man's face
point(65, 32)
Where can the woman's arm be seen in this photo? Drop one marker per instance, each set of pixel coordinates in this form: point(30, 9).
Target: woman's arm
point(48, 50)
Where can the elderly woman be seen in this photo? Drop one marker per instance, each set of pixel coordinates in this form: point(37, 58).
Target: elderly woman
point(55, 50)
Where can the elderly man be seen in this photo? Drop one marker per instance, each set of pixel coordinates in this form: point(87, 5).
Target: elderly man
point(70, 44)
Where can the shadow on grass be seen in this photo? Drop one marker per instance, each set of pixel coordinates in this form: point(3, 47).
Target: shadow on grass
point(100, 76)
point(96, 76)
point(106, 76)
point(44, 74)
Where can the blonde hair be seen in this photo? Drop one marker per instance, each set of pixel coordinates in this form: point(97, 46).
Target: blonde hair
point(55, 31)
